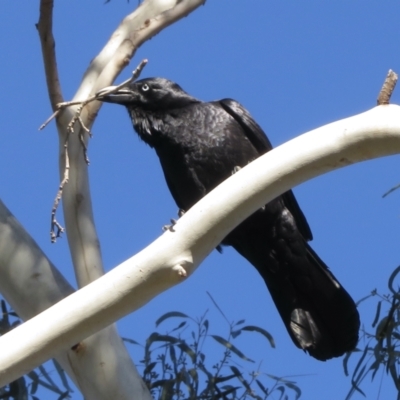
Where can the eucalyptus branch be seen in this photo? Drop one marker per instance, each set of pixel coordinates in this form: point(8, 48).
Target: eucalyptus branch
point(161, 265)
point(56, 228)
point(60, 106)
point(45, 29)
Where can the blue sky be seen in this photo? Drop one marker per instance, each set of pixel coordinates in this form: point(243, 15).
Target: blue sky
point(295, 66)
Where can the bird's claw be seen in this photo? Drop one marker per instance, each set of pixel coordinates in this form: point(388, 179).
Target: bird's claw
point(170, 227)
point(173, 222)
point(236, 169)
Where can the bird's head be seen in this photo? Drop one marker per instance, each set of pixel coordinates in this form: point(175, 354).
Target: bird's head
point(149, 94)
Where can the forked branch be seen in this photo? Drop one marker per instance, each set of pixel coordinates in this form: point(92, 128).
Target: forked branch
point(56, 229)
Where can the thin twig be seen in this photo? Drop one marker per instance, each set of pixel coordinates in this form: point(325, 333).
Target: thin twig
point(387, 88)
point(56, 229)
point(135, 75)
point(60, 106)
point(52, 116)
point(71, 129)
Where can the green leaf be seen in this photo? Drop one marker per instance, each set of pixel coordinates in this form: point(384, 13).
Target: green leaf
point(5, 319)
point(167, 390)
point(130, 341)
point(231, 347)
point(377, 314)
point(282, 390)
point(189, 351)
point(185, 377)
point(391, 190)
point(156, 337)
point(34, 387)
point(396, 335)
point(181, 325)
point(220, 379)
point(239, 375)
point(172, 354)
point(263, 332)
point(206, 324)
point(391, 281)
point(63, 377)
point(202, 357)
point(235, 334)
point(149, 368)
point(360, 361)
point(262, 387)
point(346, 362)
point(193, 374)
point(382, 328)
point(228, 390)
point(171, 314)
point(294, 388)
point(51, 384)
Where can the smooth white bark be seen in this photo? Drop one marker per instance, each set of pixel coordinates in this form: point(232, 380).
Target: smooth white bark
point(31, 283)
point(175, 255)
point(100, 365)
point(109, 372)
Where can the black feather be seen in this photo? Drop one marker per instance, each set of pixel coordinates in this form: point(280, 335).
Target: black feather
point(199, 145)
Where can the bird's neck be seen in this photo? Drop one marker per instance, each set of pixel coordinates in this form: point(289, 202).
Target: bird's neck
point(148, 124)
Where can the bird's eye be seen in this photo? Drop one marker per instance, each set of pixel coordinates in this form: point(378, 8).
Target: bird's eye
point(145, 87)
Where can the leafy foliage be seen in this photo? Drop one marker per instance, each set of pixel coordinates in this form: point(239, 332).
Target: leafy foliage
point(382, 349)
point(26, 387)
point(176, 365)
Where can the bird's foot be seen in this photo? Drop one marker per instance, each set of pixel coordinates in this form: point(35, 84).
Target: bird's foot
point(173, 221)
point(236, 169)
point(170, 227)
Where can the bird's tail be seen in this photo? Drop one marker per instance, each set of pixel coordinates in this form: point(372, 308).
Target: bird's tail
point(318, 313)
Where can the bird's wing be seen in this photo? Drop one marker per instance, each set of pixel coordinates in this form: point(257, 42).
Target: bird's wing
point(259, 140)
point(252, 130)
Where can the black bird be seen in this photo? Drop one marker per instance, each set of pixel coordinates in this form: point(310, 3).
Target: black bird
point(199, 145)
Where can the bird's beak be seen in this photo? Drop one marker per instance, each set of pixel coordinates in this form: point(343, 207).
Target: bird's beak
point(111, 94)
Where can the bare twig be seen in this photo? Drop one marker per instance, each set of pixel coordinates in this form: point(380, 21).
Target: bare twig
point(78, 216)
point(71, 129)
point(45, 123)
point(135, 75)
point(387, 88)
point(60, 106)
point(56, 229)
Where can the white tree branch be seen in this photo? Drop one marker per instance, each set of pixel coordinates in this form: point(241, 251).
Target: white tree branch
point(147, 20)
point(175, 255)
point(31, 283)
point(83, 241)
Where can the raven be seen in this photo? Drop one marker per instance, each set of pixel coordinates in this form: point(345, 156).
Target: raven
point(199, 145)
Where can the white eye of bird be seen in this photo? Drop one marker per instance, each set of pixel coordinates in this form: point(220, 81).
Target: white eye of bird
point(145, 87)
